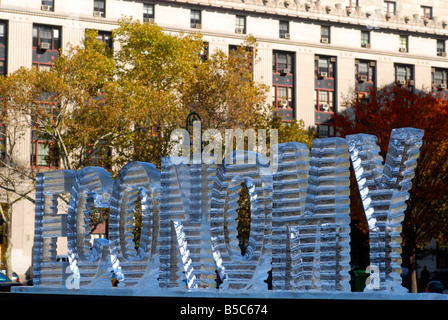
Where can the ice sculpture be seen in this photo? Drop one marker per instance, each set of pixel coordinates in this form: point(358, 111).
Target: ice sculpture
point(49, 225)
point(237, 271)
point(92, 187)
point(185, 245)
point(290, 182)
point(319, 243)
point(384, 191)
point(299, 228)
point(136, 184)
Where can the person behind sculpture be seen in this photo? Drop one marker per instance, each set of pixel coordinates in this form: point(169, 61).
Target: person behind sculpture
point(424, 277)
point(218, 279)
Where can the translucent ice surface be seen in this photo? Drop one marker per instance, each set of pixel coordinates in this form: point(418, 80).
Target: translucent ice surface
point(299, 237)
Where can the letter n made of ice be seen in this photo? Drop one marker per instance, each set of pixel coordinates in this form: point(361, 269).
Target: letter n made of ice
point(384, 190)
point(311, 218)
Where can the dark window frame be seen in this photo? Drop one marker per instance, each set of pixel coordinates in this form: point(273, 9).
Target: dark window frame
point(370, 73)
point(36, 141)
point(365, 38)
point(283, 29)
point(4, 47)
point(195, 18)
point(406, 70)
point(99, 6)
point(325, 34)
point(240, 24)
point(148, 12)
point(47, 3)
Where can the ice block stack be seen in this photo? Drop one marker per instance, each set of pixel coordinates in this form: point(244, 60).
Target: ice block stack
point(384, 190)
point(237, 271)
point(137, 184)
point(289, 194)
point(49, 225)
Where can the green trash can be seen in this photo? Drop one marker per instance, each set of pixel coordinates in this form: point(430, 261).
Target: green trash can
point(360, 280)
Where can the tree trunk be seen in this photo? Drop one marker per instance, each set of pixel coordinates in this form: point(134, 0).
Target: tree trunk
point(413, 271)
point(8, 252)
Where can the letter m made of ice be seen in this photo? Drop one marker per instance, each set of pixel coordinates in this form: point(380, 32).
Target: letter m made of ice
point(384, 190)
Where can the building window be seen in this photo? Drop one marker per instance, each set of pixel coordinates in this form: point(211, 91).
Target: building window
point(40, 145)
point(324, 67)
point(403, 43)
point(46, 45)
point(441, 50)
point(3, 45)
point(195, 19)
point(240, 24)
point(106, 37)
point(324, 131)
point(2, 146)
point(365, 39)
point(365, 71)
point(46, 37)
point(284, 29)
point(148, 12)
point(100, 157)
point(283, 84)
point(324, 100)
point(439, 78)
point(324, 93)
point(325, 34)
point(99, 8)
point(47, 5)
point(426, 12)
point(389, 7)
point(404, 75)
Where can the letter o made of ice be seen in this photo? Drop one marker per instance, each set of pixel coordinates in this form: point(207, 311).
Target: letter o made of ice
point(236, 270)
point(135, 180)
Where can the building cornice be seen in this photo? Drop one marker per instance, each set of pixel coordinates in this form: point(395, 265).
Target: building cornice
point(57, 15)
point(318, 11)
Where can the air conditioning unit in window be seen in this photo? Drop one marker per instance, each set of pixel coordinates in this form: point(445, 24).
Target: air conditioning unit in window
point(97, 14)
point(363, 78)
point(323, 74)
point(402, 82)
point(324, 107)
point(442, 86)
point(324, 40)
point(285, 70)
point(45, 7)
point(149, 20)
point(197, 26)
point(286, 35)
point(441, 54)
point(44, 46)
point(365, 45)
point(284, 103)
point(402, 50)
point(411, 82)
point(239, 30)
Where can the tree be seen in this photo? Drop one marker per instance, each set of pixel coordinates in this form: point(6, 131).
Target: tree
point(104, 108)
point(14, 169)
point(392, 107)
